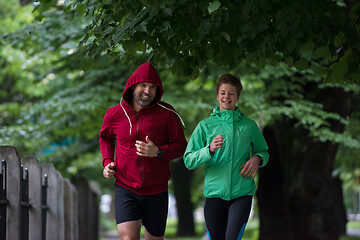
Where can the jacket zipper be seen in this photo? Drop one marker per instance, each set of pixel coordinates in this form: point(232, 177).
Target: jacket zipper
point(141, 168)
point(232, 161)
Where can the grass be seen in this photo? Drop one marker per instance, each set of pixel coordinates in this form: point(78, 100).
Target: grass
point(349, 238)
point(353, 225)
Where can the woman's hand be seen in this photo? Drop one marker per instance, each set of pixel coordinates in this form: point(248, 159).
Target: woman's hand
point(216, 143)
point(109, 170)
point(250, 167)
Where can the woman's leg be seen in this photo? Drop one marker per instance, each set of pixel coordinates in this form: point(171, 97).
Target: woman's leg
point(216, 217)
point(239, 211)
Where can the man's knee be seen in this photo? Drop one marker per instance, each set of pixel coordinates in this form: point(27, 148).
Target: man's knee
point(148, 236)
point(126, 235)
point(129, 230)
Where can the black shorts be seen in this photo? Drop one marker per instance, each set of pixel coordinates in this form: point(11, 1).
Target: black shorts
point(151, 209)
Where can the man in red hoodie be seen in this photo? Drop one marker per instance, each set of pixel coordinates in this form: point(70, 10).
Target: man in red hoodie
point(144, 134)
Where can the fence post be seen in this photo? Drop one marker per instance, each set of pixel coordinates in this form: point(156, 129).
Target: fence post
point(24, 202)
point(3, 199)
point(60, 206)
point(76, 212)
point(44, 206)
point(83, 214)
point(34, 171)
point(12, 177)
point(37, 203)
point(94, 206)
point(88, 211)
point(71, 217)
point(55, 190)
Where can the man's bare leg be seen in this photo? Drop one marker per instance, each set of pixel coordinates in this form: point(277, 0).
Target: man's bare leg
point(148, 236)
point(129, 230)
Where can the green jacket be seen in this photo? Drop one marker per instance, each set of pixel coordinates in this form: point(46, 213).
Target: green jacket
point(242, 139)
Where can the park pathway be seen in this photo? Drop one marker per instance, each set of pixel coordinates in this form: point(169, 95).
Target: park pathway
point(113, 235)
point(353, 232)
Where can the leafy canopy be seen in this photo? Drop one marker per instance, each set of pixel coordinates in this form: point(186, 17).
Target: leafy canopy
point(59, 75)
point(319, 35)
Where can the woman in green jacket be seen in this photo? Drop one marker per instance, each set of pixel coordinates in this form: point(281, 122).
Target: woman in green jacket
point(232, 148)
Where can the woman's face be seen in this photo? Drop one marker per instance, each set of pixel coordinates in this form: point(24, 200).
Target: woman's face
point(227, 97)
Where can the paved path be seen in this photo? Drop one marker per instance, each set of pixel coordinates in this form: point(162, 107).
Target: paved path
point(110, 236)
point(353, 232)
point(113, 235)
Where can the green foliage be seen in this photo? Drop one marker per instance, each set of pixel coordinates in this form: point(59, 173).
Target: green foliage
point(269, 100)
point(48, 94)
point(13, 16)
point(348, 162)
point(61, 72)
point(186, 34)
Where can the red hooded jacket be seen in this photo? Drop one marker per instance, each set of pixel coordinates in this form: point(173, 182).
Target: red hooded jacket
point(159, 121)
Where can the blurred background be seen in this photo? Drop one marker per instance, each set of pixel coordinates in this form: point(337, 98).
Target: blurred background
point(63, 63)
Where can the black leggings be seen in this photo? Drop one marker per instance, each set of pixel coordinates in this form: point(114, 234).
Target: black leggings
point(227, 219)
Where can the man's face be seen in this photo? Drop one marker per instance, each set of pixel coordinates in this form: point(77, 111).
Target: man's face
point(144, 93)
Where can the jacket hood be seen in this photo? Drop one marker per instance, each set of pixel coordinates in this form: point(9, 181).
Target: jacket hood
point(227, 115)
point(145, 73)
point(217, 111)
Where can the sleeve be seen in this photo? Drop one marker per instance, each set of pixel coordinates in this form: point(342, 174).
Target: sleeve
point(107, 141)
point(259, 144)
point(177, 142)
point(197, 151)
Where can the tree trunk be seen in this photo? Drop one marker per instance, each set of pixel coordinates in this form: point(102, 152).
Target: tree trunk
point(181, 178)
point(298, 197)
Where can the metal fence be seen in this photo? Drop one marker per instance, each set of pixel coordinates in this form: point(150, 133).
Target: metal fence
point(37, 203)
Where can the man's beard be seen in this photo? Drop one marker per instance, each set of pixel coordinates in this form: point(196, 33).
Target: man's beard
point(141, 102)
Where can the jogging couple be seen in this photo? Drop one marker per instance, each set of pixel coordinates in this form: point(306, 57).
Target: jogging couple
point(141, 135)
